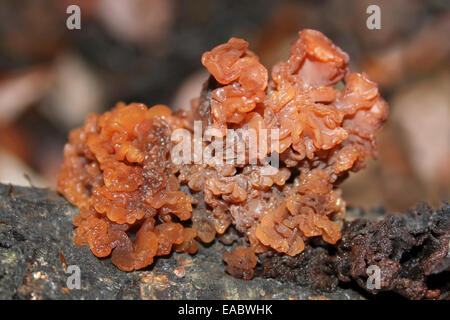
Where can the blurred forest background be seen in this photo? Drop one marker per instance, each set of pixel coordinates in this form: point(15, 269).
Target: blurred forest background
point(149, 51)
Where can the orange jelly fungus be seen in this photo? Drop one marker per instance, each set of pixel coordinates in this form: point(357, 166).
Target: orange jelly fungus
point(117, 169)
point(135, 203)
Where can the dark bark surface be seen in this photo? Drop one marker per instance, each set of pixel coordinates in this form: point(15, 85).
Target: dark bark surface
point(37, 252)
point(36, 249)
point(410, 253)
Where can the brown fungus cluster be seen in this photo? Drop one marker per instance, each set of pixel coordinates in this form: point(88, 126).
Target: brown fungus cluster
point(117, 169)
point(138, 204)
point(323, 133)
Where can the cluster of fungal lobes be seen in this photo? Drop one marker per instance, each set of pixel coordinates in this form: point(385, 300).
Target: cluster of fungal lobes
point(137, 203)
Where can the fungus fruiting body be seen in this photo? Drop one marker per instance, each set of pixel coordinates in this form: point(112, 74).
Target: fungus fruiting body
point(136, 203)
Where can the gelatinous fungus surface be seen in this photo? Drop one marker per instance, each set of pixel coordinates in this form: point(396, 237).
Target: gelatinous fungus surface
point(137, 204)
point(322, 133)
point(117, 169)
point(240, 262)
